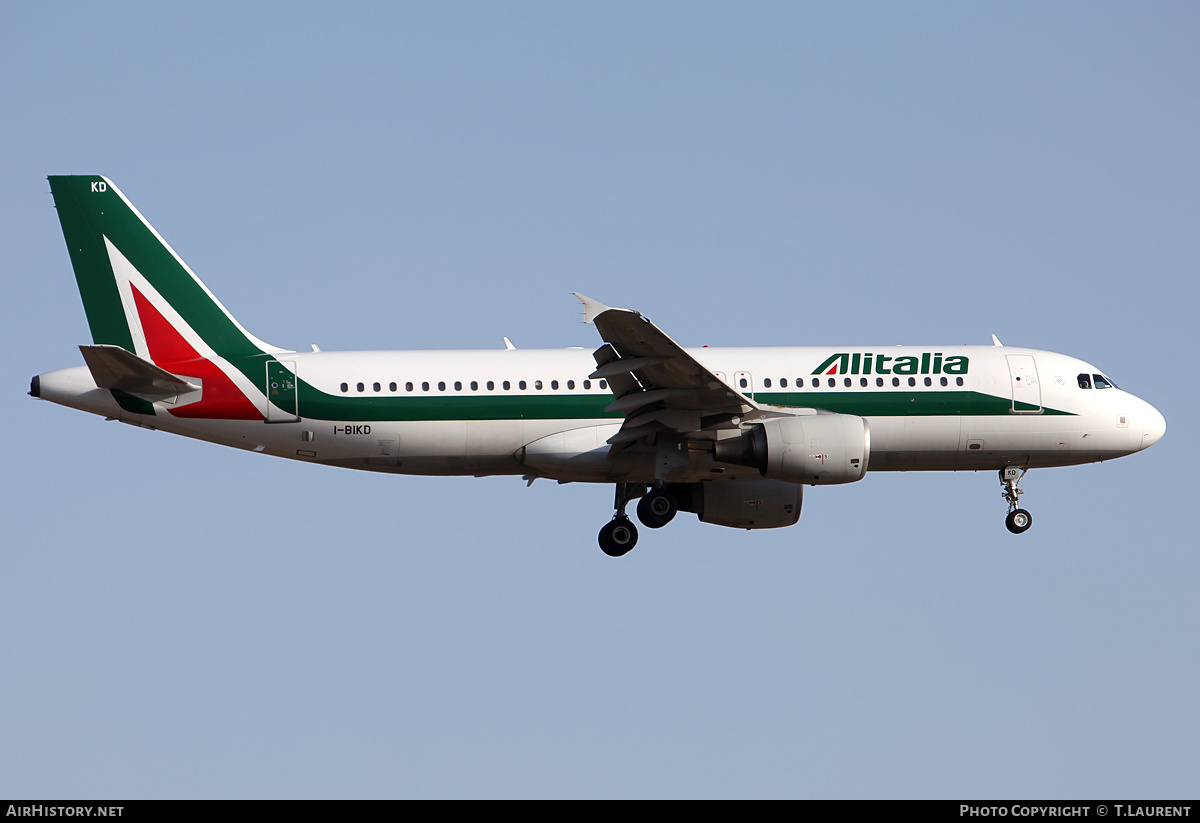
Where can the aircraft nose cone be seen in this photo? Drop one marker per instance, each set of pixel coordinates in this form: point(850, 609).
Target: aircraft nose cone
point(1155, 427)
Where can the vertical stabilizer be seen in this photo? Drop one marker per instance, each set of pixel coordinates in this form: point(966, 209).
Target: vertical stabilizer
point(137, 293)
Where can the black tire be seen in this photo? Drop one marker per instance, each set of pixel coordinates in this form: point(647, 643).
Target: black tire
point(1018, 521)
point(657, 509)
point(618, 537)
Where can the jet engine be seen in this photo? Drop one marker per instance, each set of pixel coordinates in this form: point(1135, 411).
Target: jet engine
point(814, 449)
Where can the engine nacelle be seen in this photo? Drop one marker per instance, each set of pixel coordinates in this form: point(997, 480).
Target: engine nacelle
point(743, 504)
point(815, 449)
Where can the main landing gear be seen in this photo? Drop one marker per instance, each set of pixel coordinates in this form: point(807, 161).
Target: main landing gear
point(655, 509)
point(1018, 520)
point(618, 536)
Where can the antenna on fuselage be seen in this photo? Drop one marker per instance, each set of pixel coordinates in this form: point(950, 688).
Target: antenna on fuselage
point(996, 341)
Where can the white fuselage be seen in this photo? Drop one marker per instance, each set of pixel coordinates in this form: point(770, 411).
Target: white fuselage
point(537, 412)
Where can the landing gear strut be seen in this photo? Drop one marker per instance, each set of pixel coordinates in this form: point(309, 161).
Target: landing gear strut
point(619, 535)
point(1018, 519)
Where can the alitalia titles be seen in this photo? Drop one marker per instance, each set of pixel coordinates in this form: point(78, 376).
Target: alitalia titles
point(874, 363)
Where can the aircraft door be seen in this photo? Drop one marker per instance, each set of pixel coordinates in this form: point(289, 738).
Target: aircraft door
point(1026, 390)
point(281, 392)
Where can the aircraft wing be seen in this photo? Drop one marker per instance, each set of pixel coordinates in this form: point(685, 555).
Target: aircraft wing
point(658, 385)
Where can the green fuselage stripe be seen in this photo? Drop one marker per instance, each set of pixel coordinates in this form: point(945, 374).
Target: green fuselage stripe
point(320, 405)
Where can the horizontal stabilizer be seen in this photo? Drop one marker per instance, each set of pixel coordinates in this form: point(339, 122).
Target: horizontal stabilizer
point(112, 367)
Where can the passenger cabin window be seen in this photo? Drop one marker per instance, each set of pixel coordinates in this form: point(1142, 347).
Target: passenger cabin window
point(766, 382)
point(345, 387)
point(1085, 381)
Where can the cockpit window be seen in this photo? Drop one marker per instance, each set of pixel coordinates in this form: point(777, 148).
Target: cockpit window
point(1085, 381)
point(1101, 381)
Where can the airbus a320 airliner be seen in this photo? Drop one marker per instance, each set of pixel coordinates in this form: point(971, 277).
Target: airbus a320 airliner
point(730, 434)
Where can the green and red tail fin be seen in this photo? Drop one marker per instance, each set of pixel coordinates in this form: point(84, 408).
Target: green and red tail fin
point(139, 295)
point(126, 272)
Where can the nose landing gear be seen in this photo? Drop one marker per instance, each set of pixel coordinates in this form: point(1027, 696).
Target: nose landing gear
point(1018, 520)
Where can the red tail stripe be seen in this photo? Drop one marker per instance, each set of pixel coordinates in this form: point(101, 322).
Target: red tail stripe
point(222, 399)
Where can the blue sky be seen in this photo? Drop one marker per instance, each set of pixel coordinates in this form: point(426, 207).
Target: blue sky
point(181, 620)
